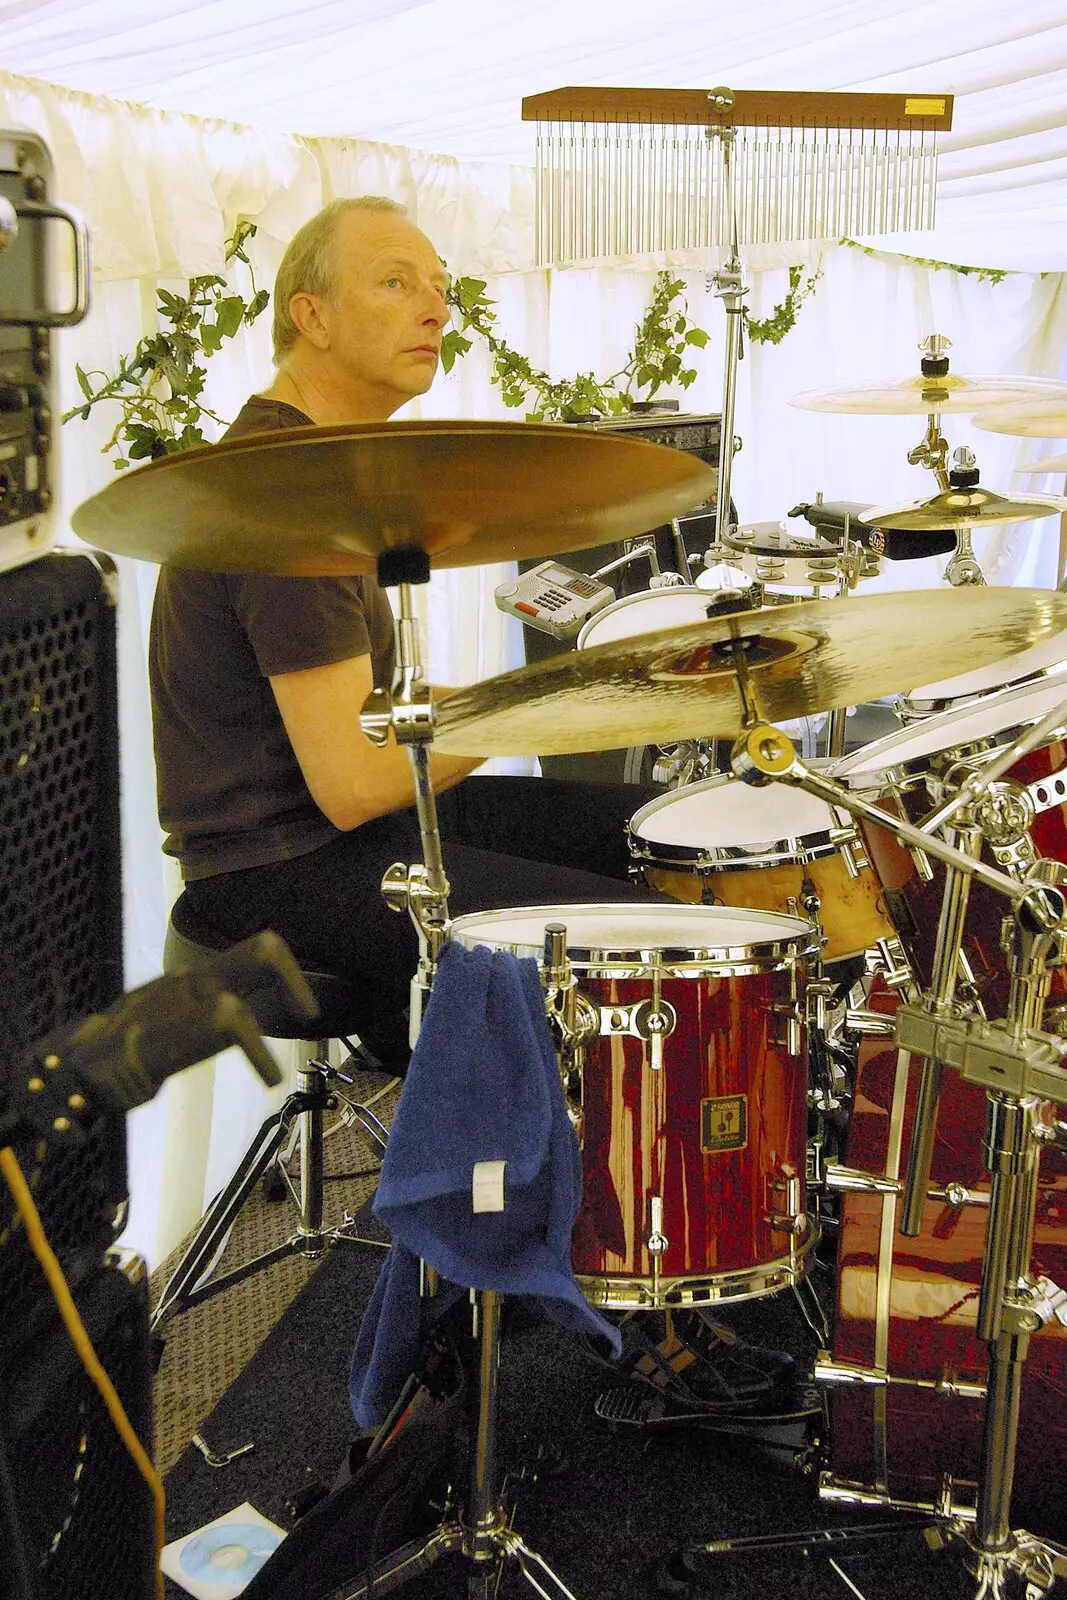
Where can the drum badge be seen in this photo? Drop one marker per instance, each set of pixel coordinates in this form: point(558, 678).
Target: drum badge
point(724, 1123)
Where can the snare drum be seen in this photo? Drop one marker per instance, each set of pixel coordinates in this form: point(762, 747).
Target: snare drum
point(906, 1377)
point(725, 842)
point(693, 1170)
point(904, 769)
point(646, 612)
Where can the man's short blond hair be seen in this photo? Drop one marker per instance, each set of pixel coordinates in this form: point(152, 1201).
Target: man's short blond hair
point(308, 265)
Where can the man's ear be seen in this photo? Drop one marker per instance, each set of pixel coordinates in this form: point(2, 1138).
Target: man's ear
point(310, 315)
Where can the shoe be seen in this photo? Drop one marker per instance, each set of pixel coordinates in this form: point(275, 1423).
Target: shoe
point(703, 1364)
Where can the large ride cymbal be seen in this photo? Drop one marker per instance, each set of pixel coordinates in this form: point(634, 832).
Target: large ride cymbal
point(315, 502)
point(680, 683)
point(1048, 464)
point(924, 394)
point(1033, 418)
point(958, 508)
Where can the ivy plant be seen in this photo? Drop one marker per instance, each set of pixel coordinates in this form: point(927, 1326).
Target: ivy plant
point(782, 320)
point(159, 387)
point(979, 274)
point(663, 343)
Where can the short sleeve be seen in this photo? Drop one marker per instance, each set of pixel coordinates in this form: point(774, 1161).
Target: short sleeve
point(295, 623)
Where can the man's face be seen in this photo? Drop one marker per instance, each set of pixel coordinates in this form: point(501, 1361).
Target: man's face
point(389, 310)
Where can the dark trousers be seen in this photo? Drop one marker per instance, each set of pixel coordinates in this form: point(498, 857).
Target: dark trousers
point(506, 842)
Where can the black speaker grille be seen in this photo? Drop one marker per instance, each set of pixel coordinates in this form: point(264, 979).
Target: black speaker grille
point(60, 892)
point(52, 746)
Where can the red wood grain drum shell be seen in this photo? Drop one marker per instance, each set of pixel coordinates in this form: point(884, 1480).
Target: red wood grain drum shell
point(706, 1152)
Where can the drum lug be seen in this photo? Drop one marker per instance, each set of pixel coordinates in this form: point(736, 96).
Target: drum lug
point(848, 842)
point(656, 1243)
point(650, 1020)
point(924, 871)
point(793, 1219)
point(794, 1016)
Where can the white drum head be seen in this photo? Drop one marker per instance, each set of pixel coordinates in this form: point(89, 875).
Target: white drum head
point(1001, 674)
point(960, 725)
point(645, 613)
point(725, 811)
point(629, 934)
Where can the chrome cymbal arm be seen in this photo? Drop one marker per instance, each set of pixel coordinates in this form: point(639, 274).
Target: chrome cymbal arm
point(408, 711)
point(762, 753)
point(932, 451)
point(729, 284)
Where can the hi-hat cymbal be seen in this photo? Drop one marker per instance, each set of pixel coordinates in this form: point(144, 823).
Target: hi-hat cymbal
point(312, 502)
point(680, 683)
point(957, 508)
point(1047, 464)
point(1033, 418)
point(914, 396)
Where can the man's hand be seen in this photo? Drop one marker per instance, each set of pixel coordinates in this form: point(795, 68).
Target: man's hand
point(350, 779)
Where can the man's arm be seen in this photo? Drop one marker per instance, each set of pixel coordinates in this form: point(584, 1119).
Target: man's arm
point(350, 779)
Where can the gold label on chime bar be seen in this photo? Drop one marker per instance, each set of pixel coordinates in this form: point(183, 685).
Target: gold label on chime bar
point(724, 1123)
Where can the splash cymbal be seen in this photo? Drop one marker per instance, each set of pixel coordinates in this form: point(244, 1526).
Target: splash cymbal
point(1033, 418)
point(956, 508)
point(925, 394)
point(313, 502)
point(680, 683)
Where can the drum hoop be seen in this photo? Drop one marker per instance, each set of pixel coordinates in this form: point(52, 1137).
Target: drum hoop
point(736, 959)
point(905, 773)
point(787, 852)
point(911, 710)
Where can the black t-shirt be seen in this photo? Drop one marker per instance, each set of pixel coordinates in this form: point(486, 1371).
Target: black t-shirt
point(231, 793)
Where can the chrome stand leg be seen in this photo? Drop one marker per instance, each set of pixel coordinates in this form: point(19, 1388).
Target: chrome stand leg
point(481, 1532)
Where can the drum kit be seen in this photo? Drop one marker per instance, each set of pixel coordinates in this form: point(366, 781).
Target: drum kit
point(929, 868)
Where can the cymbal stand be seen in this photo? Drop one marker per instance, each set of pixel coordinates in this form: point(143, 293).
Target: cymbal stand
point(1020, 1068)
point(932, 452)
point(478, 1530)
point(730, 288)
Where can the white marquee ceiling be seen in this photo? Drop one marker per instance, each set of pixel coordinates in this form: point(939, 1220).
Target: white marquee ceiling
point(448, 76)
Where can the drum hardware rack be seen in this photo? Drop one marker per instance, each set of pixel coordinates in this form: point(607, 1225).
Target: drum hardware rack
point(1020, 1069)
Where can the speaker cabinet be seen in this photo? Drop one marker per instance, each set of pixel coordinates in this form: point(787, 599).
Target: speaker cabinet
point(60, 894)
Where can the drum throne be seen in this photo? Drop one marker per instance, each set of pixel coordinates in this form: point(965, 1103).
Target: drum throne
point(297, 1129)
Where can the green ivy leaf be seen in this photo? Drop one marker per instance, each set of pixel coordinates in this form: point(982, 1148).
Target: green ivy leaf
point(453, 345)
point(210, 338)
point(229, 315)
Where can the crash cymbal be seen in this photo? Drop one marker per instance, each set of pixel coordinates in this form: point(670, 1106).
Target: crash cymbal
point(957, 508)
point(1048, 464)
point(814, 656)
point(1035, 418)
point(907, 396)
point(319, 501)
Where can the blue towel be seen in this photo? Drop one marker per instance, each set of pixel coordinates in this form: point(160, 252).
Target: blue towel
point(483, 1085)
